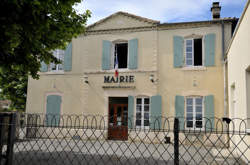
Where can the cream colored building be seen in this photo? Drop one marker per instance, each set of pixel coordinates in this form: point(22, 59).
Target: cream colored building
point(165, 69)
point(238, 57)
point(238, 61)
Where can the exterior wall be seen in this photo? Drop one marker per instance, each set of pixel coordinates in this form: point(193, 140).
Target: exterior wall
point(238, 86)
point(81, 98)
point(187, 81)
point(155, 57)
point(238, 63)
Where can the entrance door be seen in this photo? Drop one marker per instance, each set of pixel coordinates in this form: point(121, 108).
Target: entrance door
point(118, 122)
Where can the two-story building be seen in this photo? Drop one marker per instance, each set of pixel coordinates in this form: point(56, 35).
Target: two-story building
point(164, 69)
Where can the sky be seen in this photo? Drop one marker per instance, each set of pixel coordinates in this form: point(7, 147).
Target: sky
point(161, 10)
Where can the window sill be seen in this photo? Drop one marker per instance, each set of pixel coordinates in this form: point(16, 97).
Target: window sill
point(120, 70)
point(198, 68)
point(53, 72)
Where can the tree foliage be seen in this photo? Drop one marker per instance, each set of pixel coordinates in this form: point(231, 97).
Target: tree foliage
point(30, 30)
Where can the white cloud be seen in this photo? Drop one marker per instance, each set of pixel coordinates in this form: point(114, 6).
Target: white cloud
point(162, 10)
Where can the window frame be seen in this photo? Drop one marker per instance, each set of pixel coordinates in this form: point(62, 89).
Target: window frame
point(185, 51)
point(112, 62)
point(194, 113)
point(142, 113)
point(56, 53)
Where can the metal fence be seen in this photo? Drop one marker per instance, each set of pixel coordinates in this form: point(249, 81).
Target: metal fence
point(84, 139)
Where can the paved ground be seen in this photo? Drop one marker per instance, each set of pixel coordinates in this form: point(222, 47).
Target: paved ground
point(74, 152)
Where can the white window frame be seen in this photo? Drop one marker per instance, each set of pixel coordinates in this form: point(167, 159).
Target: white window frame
point(185, 50)
point(57, 54)
point(194, 113)
point(113, 55)
point(142, 112)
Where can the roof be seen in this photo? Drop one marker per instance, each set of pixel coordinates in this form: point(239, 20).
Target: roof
point(227, 19)
point(157, 24)
point(143, 19)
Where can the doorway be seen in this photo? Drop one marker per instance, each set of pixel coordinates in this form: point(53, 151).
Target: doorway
point(118, 118)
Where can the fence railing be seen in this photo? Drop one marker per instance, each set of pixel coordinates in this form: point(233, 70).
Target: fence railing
point(88, 139)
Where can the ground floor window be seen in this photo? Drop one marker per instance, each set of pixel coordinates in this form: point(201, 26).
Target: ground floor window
point(194, 112)
point(142, 112)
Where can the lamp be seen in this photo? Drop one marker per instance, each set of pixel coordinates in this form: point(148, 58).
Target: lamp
point(152, 79)
point(85, 78)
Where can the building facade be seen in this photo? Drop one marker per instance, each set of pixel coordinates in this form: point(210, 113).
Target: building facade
point(239, 69)
point(164, 69)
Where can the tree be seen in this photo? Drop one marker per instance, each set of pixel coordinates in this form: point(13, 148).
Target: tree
point(30, 30)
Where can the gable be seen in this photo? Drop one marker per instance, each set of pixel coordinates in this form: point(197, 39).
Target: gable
point(122, 20)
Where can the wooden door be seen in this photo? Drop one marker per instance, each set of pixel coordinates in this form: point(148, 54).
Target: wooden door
point(118, 122)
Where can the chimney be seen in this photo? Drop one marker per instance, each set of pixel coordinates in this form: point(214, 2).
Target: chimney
point(215, 9)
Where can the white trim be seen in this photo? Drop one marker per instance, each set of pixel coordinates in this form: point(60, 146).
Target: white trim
point(142, 112)
point(57, 53)
point(193, 67)
point(112, 56)
point(194, 112)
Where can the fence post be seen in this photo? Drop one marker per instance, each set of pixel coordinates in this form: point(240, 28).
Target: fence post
point(1, 137)
point(176, 141)
point(11, 139)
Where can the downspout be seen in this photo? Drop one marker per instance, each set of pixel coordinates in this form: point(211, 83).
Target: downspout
point(224, 67)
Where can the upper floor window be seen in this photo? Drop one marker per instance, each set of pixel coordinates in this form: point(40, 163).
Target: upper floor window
point(124, 52)
point(194, 112)
point(121, 54)
point(142, 112)
point(59, 54)
point(193, 52)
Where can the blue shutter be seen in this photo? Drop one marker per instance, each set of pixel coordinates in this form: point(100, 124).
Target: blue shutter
point(209, 49)
point(178, 51)
point(44, 67)
point(133, 53)
point(53, 108)
point(130, 111)
point(155, 112)
point(68, 58)
point(106, 55)
point(209, 112)
point(179, 110)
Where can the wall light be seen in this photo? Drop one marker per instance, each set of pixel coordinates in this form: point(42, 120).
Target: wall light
point(85, 78)
point(152, 78)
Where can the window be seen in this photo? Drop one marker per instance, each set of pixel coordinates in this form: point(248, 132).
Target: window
point(194, 112)
point(193, 52)
point(142, 112)
point(121, 53)
point(59, 54)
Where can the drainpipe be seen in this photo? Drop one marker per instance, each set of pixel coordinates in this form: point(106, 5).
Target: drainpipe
point(224, 67)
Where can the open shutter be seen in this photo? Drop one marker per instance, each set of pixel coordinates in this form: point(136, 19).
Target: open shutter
point(178, 51)
point(179, 110)
point(133, 53)
point(209, 49)
point(106, 54)
point(68, 58)
point(209, 112)
point(44, 67)
point(130, 111)
point(155, 112)
point(53, 108)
